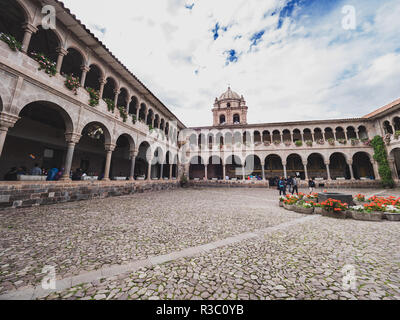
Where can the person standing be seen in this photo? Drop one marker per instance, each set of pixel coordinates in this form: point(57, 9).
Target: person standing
point(290, 184)
point(282, 186)
point(311, 185)
point(295, 187)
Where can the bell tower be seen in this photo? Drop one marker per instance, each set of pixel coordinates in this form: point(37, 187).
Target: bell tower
point(229, 109)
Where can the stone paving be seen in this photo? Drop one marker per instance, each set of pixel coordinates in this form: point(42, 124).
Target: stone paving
point(288, 260)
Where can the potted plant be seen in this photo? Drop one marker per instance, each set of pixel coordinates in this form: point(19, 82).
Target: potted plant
point(123, 114)
point(299, 143)
point(368, 212)
point(342, 141)
point(290, 202)
point(72, 83)
point(45, 64)
point(277, 142)
point(397, 134)
point(331, 141)
point(334, 209)
point(304, 207)
point(183, 181)
point(321, 141)
point(359, 199)
point(13, 43)
point(94, 97)
point(354, 141)
point(309, 143)
point(392, 213)
point(110, 104)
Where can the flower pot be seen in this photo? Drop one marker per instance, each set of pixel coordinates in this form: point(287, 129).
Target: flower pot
point(392, 216)
point(367, 216)
point(300, 209)
point(317, 210)
point(333, 214)
point(281, 204)
point(289, 207)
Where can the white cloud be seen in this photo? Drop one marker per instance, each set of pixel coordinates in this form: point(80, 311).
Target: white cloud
point(309, 69)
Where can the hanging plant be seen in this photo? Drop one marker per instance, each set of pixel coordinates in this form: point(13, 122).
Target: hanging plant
point(309, 143)
point(354, 141)
point(331, 141)
point(123, 113)
point(367, 142)
point(277, 142)
point(94, 97)
point(342, 141)
point(381, 157)
point(134, 119)
point(110, 104)
point(72, 83)
point(45, 63)
point(299, 143)
point(13, 43)
point(397, 134)
point(321, 141)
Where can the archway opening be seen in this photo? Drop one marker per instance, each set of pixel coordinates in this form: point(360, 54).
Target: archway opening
point(197, 168)
point(12, 17)
point(72, 63)
point(121, 163)
point(253, 167)
point(90, 154)
point(123, 98)
point(362, 166)
point(93, 78)
point(142, 161)
point(222, 119)
point(45, 42)
point(273, 168)
point(214, 168)
point(236, 119)
point(316, 167)
point(109, 89)
point(133, 105)
point(37, 138)
point(295, 167)
point(233, 167)
point(338, 167)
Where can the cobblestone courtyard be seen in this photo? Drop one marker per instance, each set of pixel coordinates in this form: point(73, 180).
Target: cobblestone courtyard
point(195, 244)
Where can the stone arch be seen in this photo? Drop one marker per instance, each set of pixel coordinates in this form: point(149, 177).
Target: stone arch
point(273, 167)
point(276, 136)
point(120, 163)
point(12, 15)
point(316, 166)
point(394, 157)
point(362, 166)
point(351, 133)
point(197, 168)
point(109, 89)
point(123, 98)
point(297, 135)
point(143, 159)
point(215, 168)
point(294, 166)
point(72, 63)
point(307, 135)
point(338, 166)
point(286, 135)
point(396, 123)
point(340, 133)
point(222, 119)
point(46, 42)
point(318, 135)
point(133, 105)
point(387, 127)
point(233, 167)
point(253, 166)
point(93, 77)
point(142, 112)
point(329, 133)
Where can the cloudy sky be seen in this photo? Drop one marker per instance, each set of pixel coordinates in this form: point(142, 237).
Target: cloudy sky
point(291, 59)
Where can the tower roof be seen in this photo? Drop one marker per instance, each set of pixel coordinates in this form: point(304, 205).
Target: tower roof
point(229, 95)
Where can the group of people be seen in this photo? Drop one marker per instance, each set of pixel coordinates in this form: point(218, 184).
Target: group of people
point(54, 174)
point(292, 183)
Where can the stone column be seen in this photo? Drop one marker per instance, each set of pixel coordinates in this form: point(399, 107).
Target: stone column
point(206, 171)
point(133, 162)
point(102, 82)
point(85, 70)
point(72, 139)
point(61, 54)
point(149, 170)
point(305, 170)
point(376, 169)
point(117, 92)
point(284, 170)
point(109, 149)
point(170, 171)
point(328, 171)
point(350, 164)
point(6, 121)
point(263, 171)
point(243, 173)
point(162, 171)
point(29, 29)
point(223, 172)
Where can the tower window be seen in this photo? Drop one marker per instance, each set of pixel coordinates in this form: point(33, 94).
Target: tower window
point(229, 105)
point(236, 119)
point(222, 119)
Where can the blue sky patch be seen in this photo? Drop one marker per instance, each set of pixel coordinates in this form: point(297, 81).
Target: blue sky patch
point(232, 56)
point(189, 6)
point(256, 38)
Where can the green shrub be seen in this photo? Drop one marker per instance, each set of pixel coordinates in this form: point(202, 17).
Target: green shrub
point(381, 157)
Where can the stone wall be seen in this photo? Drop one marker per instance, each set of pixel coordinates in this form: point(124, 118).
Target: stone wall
point(29, 194)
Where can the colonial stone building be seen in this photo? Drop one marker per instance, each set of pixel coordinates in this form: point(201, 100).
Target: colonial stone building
point(114, 127)
point(331, 151)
